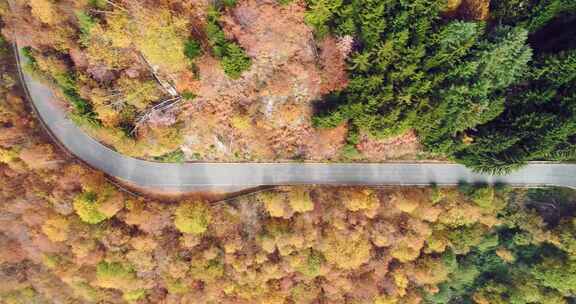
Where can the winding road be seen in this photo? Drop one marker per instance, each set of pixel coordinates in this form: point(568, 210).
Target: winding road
point(188, 177)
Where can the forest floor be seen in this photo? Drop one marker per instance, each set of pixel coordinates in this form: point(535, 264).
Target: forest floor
point(266, 114)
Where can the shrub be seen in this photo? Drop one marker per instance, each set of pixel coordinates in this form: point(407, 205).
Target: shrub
point(30, 64)
point(4, 47)
point(81, 105)
point(192, 49)
point(176, 156)
point(232, 57)
point(85, 23)
point(229, 3)
point(350, 152)
point(187, 95)
point(66, 81)
point(192, 217)
point(98, 3)
point(235, 61)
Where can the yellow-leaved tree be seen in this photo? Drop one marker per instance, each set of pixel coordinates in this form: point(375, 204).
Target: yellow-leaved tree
point(44, 10)
point(192, 217)
point(161, 36)
point(346, 252)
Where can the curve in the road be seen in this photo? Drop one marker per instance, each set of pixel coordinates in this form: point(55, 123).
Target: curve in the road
point(187, 177)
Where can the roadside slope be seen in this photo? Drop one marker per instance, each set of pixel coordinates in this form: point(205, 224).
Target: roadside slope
point(187, 177)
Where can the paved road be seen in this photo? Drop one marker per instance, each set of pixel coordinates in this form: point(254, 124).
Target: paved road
point(235, 176)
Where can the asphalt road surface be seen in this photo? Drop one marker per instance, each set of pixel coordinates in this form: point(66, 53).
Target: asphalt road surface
point(186, 177)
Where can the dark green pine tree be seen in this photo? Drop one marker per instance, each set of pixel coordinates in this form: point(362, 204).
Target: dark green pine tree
point(388, 79)
point(530, 14)
point(539, 121)
point(471, 91)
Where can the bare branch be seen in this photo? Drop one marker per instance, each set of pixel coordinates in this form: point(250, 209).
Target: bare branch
point(314, 47)
point(116, 5)
point(93, 10)
point(163, 106)
point(167, 86)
